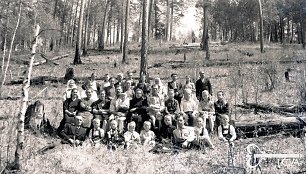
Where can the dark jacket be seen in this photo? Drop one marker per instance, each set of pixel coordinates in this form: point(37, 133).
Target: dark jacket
point(201, 86)
point(73, 132)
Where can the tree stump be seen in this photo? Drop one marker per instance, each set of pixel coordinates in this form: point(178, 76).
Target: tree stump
point(69, 74)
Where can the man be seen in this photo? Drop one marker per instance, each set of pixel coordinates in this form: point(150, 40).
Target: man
point(221, 107)
point(110, 89)
point(189, 107)
point(177, 87)
point(202, 84)
point(74, 134)
point(120, 80)
point(183, 136)
point(143, 85)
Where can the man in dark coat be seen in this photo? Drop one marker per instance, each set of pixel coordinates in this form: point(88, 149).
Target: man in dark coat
point(202, 84)
point(74, 134)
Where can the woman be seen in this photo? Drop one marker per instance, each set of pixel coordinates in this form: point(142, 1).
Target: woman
point(70, 85)
point(207, 110)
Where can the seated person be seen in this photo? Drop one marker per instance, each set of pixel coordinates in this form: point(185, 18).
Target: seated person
point(114, 138)
point(166, 131)
point(96, 134)
point(86, 112)
point(143, 85)
point(156, 107)
point(129, 91)
point(74, 134)
point(118, 107)
point(207, 110)
point(100, 110)
point(221, 107)
point(86, 86)
point(70, 85)
point(226, 132)
point(138, 110)
point(172, 105)
point(131, 137)
point(184, 136)
point(201, 133)
point(105, 82)
point(110, 90)
point(189, 107)
point(147, 136)
point(71, 107)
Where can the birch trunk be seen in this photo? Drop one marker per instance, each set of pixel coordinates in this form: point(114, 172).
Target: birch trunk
point(24, 101)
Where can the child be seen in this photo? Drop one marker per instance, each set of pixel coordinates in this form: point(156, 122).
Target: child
point(226, 132)
point(166, 133)
point(114, 138)
point(96, 134)
point(201, 132)
point(131, 137)
point(146, 135)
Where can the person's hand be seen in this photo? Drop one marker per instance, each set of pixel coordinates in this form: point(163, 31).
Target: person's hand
point(74, 113)
point(185, 144)
point(133, 109)
point(71, 141)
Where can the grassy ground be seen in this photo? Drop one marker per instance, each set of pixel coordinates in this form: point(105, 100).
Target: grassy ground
point(251, 86)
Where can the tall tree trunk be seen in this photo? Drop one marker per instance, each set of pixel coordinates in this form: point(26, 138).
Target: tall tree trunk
point(75, 22)
point(168, 21)
point(156, 19)
point(205, 13)
point(261, 27)
point(149, 19)
point(77, 56)
point(101, 36)
point(85, 44)
point(23, 108)
point(4, 41)
point(118, 31)
point(144, 49)
point(126, 34)
point(171, 19)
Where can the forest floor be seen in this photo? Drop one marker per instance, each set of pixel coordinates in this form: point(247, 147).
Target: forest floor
point(235, 73)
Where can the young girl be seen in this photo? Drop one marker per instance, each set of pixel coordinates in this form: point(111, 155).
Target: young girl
point(201, 132)
point(96, 134)
point(131, 137)
point(207, 110)
point(226, 132)
point(114, 138)
point(147, 136)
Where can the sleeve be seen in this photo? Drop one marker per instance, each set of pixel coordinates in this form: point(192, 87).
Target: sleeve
point(64, 132)
point(233, 133)
point(209, 87)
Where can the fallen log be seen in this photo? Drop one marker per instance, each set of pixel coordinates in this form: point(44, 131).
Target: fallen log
point(286, 125)
point(47, 60)
point(272, 108)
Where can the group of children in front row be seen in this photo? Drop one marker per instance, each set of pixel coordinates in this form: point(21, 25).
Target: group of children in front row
point(146, 117)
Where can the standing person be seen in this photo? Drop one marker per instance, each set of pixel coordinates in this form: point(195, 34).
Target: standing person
point(110, 90)
point(71, 107)
point(189, 107)
point(138, 110)
point(207, 110)
point(100, 110)
point(74, 134)
point(189, 84)
point(202, 84)
point(162, 88)
point(176, 86)
point(70, 85)
point(129, 91)
point(94, 84)
point(221, 107)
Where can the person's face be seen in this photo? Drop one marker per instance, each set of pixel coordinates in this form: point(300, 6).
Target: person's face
point(96, 124)
point(146, 127)
point(174, 77)
point(155, 90)
point(78, 121)
point(119, 78)
point(180, 122)
point(74, 93)
point(138, 94)
point(89, 93)
point(113, 125)
point(102, 95)
point(205, 95)
point(167, 121)
point(131, 127)
point(129, 75)
point(188, 79)
point(187, 95)
point(107, 77)
point(156, 81)
point(200, 122)
point(220, 96)
point(118, 90)
point(171, 94)
point(71, 84)
point(93, 77)
point(225, 120)
point(112, 81)
point(128, 84)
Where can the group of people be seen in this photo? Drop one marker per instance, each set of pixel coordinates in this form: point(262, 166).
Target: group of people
point(123, 112)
